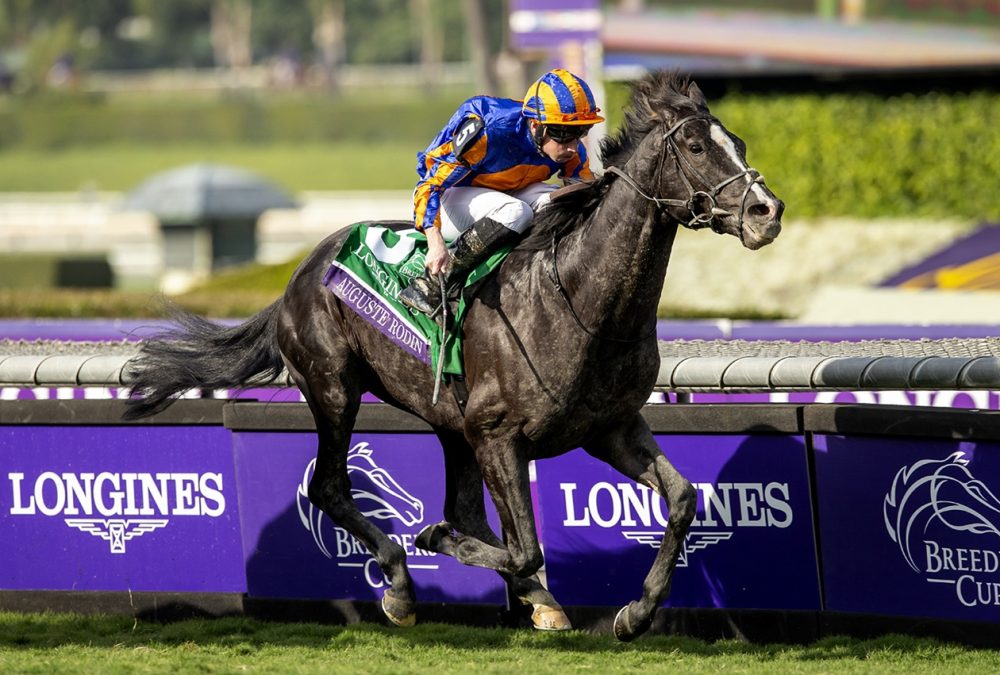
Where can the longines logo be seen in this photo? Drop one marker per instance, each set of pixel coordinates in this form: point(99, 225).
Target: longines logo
point(123, 501)
point(379, 496)
point(115, 531)
point(939, 498)
point(723, 508)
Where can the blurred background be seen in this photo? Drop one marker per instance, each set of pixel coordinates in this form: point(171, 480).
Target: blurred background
point(199, 148)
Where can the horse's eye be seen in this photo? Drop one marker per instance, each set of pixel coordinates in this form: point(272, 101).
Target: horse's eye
point(696, 148)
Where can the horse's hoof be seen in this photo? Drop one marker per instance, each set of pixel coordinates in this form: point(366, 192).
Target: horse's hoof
point(546, 617)
point(429, 538)
point(399, 612)
point(624, 630)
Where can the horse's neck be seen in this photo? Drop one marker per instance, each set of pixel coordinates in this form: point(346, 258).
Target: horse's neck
point(614, 266)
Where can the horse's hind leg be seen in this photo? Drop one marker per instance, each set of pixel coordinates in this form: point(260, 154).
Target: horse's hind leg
point(632, 450)
point(334, 402)
point(466, 529)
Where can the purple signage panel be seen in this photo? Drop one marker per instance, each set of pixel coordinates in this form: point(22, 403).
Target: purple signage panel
point(546, 23)
point(751, 545)
point(292, 550)
point(118, 508)
point(81, 329)
point(909, 526)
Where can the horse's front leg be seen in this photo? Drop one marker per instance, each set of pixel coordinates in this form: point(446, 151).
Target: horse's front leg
point(466, 533)
point(632, 450)
point(504, 465)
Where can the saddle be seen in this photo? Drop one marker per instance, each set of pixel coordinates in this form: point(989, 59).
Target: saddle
point(377, 259)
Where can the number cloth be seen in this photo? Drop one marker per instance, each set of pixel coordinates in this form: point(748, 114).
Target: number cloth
point(373, 265)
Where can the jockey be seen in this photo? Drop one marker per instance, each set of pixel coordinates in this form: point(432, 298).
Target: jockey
point(481, 178)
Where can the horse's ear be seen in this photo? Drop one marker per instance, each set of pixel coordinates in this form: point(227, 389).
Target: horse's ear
point(694, 93)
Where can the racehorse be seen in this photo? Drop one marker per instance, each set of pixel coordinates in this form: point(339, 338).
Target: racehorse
point(560, 352)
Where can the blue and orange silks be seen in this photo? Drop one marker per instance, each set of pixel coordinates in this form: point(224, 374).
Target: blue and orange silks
point(502, 157)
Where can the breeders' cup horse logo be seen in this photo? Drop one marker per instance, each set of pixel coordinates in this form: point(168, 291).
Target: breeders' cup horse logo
point(938, 491)
point(375, 491)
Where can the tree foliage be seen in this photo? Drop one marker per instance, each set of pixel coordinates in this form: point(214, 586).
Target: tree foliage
point(131, 34)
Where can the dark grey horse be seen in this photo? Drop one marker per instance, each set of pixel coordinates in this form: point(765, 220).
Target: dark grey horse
point(559, 347)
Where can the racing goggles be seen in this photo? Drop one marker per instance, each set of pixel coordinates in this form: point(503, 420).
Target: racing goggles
point(566, 133)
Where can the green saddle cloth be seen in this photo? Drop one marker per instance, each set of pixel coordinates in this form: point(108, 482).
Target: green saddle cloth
point(374, 264)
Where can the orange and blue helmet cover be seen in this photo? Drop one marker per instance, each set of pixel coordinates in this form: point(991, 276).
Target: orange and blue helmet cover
point(560, 97)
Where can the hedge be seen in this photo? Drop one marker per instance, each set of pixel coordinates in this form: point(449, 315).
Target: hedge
point(866, 156)
point(860, 155)
point(930, 156)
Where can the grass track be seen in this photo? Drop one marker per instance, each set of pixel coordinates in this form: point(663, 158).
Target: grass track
point(46, 643)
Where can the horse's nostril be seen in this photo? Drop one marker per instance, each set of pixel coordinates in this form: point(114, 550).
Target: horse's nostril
point(761, 210)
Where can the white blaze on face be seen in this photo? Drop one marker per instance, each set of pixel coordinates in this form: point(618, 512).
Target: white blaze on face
point(723, 140)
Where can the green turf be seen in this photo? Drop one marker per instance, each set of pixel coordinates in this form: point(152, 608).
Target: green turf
point(46, 643)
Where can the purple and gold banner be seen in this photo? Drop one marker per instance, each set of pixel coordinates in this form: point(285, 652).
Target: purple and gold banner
point(970, 263)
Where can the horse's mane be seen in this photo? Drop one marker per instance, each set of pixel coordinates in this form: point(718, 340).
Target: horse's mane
point(651, 98)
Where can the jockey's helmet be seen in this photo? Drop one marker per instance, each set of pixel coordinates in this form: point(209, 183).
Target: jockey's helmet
point(559, 97)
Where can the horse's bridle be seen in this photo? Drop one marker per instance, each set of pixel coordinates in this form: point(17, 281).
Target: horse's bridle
point(701, 204)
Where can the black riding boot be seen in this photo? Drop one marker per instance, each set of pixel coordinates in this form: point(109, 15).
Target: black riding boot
point(471, 248)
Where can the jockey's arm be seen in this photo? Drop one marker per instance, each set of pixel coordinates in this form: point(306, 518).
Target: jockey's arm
point(427, 209)
point(453, 162)
point(437, 252)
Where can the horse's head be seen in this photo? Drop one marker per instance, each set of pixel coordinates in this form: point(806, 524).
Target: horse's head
point(678, 155)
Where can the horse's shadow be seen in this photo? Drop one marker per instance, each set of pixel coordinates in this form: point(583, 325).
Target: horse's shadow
point(738, 583)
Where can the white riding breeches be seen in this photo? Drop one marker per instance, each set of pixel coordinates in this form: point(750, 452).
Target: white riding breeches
point(463, 206)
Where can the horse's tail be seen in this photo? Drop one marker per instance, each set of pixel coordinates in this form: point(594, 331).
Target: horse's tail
point(199, 354)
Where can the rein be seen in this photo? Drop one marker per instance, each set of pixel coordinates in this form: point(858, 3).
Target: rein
point(565, 296)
